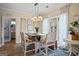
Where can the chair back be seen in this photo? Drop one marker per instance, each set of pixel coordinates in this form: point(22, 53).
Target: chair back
point(22, 35)
point(51, 37)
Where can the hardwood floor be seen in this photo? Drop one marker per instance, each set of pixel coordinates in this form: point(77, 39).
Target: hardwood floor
point(11, 49)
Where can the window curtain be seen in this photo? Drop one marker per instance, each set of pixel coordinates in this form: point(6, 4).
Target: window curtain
point(62, 29)
point(62, 26)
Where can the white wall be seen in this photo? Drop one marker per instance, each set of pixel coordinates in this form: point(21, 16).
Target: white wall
point(73, 10)
point(23, 24)
point(18, 29)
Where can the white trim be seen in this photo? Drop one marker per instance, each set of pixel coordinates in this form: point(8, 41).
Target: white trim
point(2, 31)
point(9, 31)
point(15, 30)
point(18, 26)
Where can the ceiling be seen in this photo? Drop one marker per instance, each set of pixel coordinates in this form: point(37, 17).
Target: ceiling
point(29, 7)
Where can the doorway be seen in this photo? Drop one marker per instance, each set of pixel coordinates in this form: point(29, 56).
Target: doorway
point(8, 29)
point(13, 30)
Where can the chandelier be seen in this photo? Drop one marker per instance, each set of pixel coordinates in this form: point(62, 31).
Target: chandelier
point(37, 17)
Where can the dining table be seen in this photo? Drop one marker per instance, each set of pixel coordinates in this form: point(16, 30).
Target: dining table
point(35, 36)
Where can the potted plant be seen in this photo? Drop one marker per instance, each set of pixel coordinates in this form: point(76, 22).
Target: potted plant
point(75, 24)
point(74, 30)
point(71, 31)
point(74, 27)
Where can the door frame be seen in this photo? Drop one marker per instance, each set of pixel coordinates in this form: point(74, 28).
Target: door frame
point(2, 31)
point(10, 28)
point(3, 39)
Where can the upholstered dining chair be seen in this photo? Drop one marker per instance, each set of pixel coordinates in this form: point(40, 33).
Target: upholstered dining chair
point(34, 37)
point(27, 43)
point(47, 41)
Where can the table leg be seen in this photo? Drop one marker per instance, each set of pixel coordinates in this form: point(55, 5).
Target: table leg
point(70, 49)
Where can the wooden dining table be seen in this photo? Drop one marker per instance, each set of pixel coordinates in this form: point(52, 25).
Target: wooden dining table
point(35, 36)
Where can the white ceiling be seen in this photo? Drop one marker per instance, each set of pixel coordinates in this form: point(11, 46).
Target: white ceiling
point(29, 7)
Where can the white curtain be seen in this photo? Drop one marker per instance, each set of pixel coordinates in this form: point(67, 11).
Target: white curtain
point(63, 14)
point(62, 29)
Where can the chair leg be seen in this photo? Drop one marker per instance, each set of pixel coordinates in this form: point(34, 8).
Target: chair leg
point(40, 50)
point(35, 51)
point(24, 53)
point(25, 50)
point(46, 51)
point(54, 47)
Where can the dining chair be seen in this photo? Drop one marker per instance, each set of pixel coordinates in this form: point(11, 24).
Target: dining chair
point(34, 37)
point(27, 43)
point(48, 41)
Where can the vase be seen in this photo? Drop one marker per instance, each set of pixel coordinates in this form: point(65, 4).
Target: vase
point(36, 28)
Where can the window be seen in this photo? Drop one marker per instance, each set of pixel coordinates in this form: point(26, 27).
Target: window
point(45, 26)
point(29, 26)
point(13, 22)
